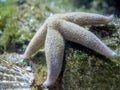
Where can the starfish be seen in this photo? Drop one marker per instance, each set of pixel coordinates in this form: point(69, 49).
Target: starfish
point(68, 26)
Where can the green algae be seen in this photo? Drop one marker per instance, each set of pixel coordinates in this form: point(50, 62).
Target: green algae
point(12, 34)
point(6, 10)
point(10, 28)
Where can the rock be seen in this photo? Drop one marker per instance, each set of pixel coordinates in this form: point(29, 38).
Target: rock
point(13, 76)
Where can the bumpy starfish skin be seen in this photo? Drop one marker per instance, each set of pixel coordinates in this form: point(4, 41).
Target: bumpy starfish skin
point(54, 43)
point(36, 42)
point(66, 26)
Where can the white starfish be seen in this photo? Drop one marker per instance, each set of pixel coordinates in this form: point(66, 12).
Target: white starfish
point(67, 26)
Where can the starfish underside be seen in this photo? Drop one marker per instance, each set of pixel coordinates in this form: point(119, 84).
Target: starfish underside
point(67, 26)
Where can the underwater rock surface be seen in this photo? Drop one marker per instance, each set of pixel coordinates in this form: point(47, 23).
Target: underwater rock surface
point(13, 76)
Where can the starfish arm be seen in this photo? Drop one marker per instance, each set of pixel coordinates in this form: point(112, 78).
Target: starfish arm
point(54, 50)
point(83, 19)
point(36, 42)
point(77, 34)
